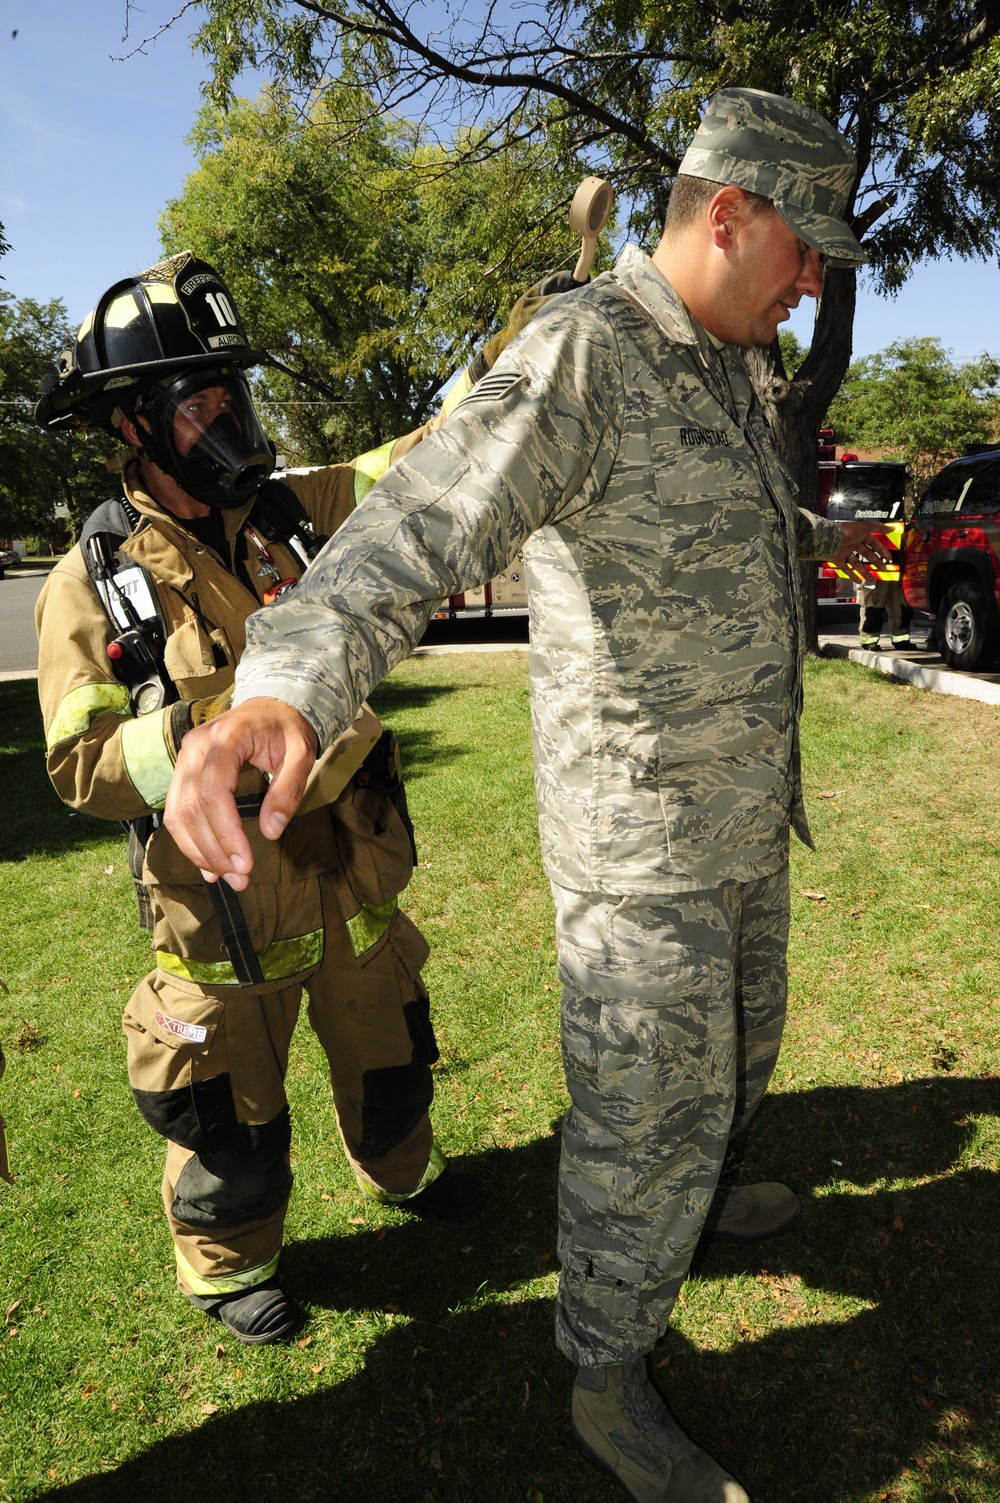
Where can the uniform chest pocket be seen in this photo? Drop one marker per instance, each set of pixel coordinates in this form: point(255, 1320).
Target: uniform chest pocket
point(194, 653)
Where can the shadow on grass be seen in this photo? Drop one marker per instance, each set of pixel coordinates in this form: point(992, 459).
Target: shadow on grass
point(35, 820)
point(462, 1399)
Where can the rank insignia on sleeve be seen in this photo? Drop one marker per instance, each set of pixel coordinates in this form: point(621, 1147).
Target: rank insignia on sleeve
point(493, 386)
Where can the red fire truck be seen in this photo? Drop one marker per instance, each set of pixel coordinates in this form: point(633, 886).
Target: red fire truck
point(863, 490)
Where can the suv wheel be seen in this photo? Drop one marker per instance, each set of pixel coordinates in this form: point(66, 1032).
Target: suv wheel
point(967, 630)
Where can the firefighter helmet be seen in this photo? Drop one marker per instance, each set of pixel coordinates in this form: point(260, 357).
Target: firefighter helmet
point(177, 315)
point(152, 343)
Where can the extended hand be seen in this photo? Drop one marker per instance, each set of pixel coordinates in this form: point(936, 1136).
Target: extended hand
point(860, 556)
point(201, 810)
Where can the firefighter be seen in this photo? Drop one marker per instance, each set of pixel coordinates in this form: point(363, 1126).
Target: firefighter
point(140, 630)
point(880, 598)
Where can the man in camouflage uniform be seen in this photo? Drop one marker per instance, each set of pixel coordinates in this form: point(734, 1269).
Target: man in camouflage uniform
point(618, 443)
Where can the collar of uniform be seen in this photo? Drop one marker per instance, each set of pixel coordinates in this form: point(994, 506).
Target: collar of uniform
point(637, 274)
point(164, 547)
point(234, 518)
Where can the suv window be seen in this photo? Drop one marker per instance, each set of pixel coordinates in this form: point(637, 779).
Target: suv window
point(869, 492)
point(946, 491)
point(982, 496)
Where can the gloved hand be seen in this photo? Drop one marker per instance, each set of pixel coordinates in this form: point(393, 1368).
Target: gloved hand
point(187, 713)
point(553, 284)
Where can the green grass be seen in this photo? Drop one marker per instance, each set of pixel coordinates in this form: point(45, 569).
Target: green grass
point(854, 1361)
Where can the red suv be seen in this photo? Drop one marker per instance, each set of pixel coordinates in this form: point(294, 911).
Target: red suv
point(951, 559)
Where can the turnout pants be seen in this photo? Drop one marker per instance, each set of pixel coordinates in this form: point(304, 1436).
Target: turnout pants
point(878, 599)
point(207, 1067)
point(673, 1009)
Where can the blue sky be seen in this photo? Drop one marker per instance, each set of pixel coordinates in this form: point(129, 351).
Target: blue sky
point(93, 148)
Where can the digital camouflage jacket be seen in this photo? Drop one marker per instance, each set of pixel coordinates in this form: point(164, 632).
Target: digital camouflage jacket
point(630, 461)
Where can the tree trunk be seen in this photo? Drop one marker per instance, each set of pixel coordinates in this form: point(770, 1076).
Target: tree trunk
point(795, 409)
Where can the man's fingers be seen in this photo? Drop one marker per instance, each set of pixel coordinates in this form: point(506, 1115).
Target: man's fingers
point(200, 812)
point(285, 793)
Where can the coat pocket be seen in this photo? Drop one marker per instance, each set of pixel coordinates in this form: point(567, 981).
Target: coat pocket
point(374, 847)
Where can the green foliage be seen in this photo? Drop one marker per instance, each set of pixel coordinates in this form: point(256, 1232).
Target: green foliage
point(367, 264)
point(39, 471)
point(913, 402)
point(914, 86)
point(793, 352)
point(853, 1360)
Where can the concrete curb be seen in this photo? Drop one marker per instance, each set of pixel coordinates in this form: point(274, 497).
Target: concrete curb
point(939, 680)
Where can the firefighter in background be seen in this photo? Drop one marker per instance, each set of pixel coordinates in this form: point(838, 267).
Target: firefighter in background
point(140, 630)
point(877, 599)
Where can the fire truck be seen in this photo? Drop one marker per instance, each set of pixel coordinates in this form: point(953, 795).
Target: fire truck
point(853, 489)
point(505, 592)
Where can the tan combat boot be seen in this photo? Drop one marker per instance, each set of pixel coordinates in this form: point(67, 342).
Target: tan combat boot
point(623, 1426)
point(750, 1213)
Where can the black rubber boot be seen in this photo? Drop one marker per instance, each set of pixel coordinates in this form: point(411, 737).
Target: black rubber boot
point(455, 1192)
point(257, 1316)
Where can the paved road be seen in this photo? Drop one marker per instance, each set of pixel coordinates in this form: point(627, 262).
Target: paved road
point(18, 647)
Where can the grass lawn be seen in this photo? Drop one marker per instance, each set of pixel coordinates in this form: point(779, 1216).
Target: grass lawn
point(855, 1360)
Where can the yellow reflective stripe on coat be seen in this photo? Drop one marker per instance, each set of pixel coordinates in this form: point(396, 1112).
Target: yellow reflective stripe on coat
point(81, 708)
point(224, 1283)
point(371, 467)
point(458, 393)
point(147, 757)
point(286, 957)
point(367, 927)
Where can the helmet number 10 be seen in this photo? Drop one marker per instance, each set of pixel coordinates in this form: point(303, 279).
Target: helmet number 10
point(222, 308)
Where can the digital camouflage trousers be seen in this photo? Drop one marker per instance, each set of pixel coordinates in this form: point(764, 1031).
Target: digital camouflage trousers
point(673, 1009)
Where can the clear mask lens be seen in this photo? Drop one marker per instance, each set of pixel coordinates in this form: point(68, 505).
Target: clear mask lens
point(209, 433)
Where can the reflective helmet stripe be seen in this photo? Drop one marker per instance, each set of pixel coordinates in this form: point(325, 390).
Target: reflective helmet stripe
point(285, 957)
point(147, 757)
point(370, 467)
point(224, 1283)
point(81, 707)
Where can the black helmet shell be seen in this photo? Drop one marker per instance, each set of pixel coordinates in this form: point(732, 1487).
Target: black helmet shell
point(177, 315)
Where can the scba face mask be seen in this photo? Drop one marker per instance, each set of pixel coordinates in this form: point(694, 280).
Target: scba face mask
point(202, 429)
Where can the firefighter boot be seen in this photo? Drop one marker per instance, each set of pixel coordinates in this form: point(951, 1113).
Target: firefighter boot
point(257, 1316)
point(623, 1426)
point(455, 1193)
point(749, 1213)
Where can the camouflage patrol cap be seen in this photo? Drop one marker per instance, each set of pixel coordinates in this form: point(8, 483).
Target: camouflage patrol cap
point(785, 152)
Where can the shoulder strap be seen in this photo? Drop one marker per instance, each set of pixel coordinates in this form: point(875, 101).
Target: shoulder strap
point(128, 594)
point(125, 589)
point(280, 516)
